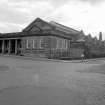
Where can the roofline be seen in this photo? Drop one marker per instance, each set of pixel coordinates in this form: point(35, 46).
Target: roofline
point(65, 26)
point(37, 19)
point(23, 34)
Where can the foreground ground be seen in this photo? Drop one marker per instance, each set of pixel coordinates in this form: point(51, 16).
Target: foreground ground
point(27, 82)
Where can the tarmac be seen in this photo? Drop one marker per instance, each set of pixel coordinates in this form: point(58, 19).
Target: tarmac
point(54, 60)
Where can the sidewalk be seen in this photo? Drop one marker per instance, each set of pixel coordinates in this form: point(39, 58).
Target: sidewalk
point(54, 60)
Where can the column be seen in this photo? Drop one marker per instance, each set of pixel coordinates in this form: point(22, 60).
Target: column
point(9, 49)
point(0, 46)
point(16, 46)
point(21, 47)
point(3, 47)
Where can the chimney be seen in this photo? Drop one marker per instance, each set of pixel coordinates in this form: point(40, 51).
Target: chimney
point(100, 36)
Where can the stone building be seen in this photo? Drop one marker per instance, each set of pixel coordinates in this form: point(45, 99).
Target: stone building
point(44, 39)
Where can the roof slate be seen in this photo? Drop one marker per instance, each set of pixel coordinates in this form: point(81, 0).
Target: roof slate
point(46, 28)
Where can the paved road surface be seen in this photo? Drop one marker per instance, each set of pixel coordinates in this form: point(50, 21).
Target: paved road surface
point(29, 82)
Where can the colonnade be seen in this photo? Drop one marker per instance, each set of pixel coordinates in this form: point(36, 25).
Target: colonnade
point(10, 46)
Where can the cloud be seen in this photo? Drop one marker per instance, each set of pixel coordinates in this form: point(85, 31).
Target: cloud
point(79, 14)
point(12, 14)
point(60, 2)
point(93, 1)
point(10, 27)
point(21, 13)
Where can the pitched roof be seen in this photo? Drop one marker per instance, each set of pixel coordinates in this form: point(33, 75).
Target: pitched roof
point(67, 31)
point(52, 24)
point(53, 27)
point(63, 28)
point(41, 27)
point(36, 23)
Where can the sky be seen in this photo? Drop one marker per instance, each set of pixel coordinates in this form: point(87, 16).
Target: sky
point(86, 15)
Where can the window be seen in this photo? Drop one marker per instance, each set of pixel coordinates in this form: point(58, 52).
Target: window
point(65, 44)
point(27, 43)
point(59, 44)
point(33, 44)
point(41, 43)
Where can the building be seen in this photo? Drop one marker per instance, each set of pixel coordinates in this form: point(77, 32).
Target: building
point(44, 39)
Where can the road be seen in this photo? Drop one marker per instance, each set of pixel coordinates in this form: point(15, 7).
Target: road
point(30, 82)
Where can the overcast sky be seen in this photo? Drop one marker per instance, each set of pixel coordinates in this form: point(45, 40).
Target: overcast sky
point(88, 15)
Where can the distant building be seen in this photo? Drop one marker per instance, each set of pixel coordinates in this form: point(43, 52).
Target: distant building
point(44, 39)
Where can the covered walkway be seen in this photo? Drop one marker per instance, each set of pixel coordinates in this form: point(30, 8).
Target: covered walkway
point(10, 46)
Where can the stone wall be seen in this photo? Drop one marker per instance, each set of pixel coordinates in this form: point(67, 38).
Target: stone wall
point(51, 47)
point(36, 46)
point(76, 49)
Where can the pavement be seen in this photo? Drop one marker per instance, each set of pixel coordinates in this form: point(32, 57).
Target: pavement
point(55, 60)
point(31, 81)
